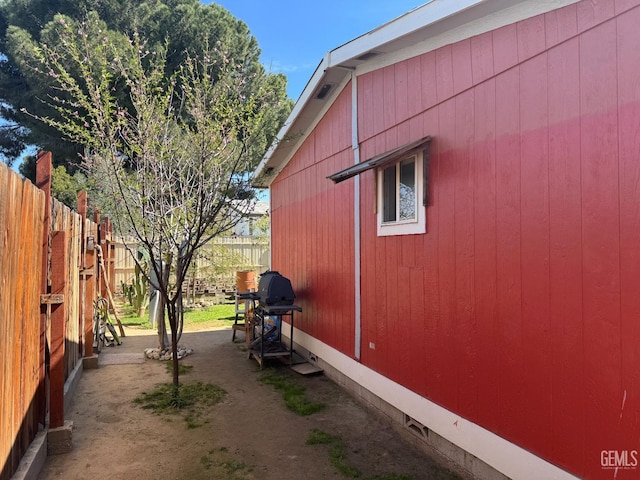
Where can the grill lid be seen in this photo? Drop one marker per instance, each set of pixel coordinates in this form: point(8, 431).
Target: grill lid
point(274, 289)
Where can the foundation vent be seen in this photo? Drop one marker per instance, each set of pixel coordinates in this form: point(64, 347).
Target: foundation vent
point(416, 427)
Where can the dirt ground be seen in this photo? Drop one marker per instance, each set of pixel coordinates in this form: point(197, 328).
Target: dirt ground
point(249, 435)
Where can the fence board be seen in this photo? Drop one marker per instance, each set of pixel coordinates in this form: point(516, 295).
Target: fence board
point(25, 259)
point(6, 327)
point(21, 208)
point(13, 233)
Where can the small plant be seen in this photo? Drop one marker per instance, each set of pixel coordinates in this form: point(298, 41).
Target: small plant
point(137, 292)
point(292, 393)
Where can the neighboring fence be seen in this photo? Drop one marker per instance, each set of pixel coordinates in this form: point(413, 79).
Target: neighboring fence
point(48, 281)
point(240, 253)
point(215, 265)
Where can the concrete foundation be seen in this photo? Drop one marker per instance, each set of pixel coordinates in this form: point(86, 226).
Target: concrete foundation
point(71, 385)
point(33, 459)
point(460, 461)
point(90, 363)
point(59, 440)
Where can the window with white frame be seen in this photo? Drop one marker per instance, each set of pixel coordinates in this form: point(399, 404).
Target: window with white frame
point(400, 194)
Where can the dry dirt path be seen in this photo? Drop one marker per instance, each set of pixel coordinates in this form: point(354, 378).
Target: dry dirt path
point(250, 435)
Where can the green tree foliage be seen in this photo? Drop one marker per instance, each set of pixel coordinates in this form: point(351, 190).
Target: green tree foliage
point(171, 155)
point(64, 186)
point(181, 27)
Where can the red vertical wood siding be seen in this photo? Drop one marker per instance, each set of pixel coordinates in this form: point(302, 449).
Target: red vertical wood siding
point(312, 221)
point(485, 245)
point(628, 52)
point(565, 252)
point(519, 308)
point(600, 236)
point(511, 391)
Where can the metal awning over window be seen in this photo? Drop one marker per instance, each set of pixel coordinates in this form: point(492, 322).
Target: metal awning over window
point(379, 160)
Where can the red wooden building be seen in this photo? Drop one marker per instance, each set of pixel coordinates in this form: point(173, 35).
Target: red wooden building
point(456, 200)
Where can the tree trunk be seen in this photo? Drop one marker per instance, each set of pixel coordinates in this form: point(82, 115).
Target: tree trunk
point(163, 338)
point(162, 326)
point(173, 324)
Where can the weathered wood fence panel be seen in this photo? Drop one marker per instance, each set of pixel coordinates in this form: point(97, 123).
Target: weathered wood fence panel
point(63, 219)
point(21, 225)
point(46, 272)
point(214, 267)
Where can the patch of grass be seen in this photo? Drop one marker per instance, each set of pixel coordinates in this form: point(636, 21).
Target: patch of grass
point(231, 466)
point(222, 461)
point(391, 476)
point(337, 452)
point(206, 462)
point(188, 400)
point(292, 393)
point(224, 313)
point(182, 368)
point(216, 316)
point(338, 456)
point(319, 437)
point(130, 320)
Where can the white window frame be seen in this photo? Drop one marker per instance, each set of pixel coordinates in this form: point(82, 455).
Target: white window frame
point(413, 226)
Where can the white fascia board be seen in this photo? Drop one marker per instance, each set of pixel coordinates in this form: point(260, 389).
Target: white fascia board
point(411, 21)
point(417, 19)
point(442, 21)
point(295, 114)
point(299, 106)
point(495, 14)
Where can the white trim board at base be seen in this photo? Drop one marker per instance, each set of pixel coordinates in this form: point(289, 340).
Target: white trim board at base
point(504, 456)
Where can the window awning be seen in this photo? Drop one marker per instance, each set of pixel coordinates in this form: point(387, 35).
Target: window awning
point(378, 160)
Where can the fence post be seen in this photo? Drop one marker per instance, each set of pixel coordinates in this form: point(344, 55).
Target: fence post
point(58, 315)
point(43, 182)
point(87, 281)
point(59, 434)
point(108, 252)
point(98, 241)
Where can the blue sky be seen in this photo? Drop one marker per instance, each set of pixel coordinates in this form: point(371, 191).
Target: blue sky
point(294, 35)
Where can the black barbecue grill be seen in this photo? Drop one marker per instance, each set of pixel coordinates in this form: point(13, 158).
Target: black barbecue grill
point(274, 298)
point(274, 289)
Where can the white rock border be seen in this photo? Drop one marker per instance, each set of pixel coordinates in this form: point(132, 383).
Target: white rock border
point(165, 354)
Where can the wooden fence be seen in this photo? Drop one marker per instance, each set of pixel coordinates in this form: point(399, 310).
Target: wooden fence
point(21, 233)
point(48, 281)
point(214, 268)
point(49, 278)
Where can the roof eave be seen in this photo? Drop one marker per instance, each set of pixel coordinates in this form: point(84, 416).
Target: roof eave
point(429, 25)
point(337, 64)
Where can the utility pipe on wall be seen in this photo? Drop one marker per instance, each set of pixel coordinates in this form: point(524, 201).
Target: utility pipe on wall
point(355, 145)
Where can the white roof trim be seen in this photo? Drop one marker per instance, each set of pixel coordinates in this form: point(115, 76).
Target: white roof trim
point(434, 24)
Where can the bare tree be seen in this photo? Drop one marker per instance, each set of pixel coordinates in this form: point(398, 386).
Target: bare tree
point(175, 166)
